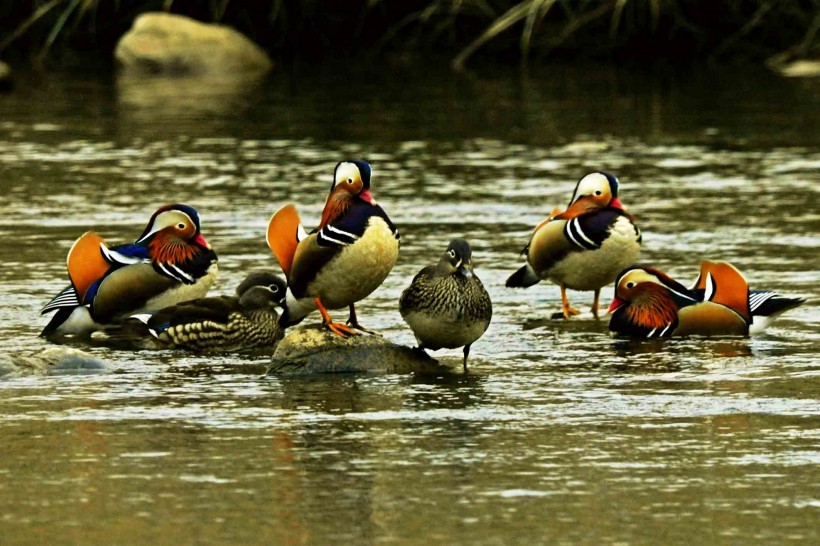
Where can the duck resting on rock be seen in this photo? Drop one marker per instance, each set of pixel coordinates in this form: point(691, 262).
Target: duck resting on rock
point(169, 263)
point(446, 305)
point(650, 304)
point(344, 259)
point(583, 247)
point(247, 321)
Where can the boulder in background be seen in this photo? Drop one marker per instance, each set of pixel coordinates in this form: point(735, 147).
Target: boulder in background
point(165, 43)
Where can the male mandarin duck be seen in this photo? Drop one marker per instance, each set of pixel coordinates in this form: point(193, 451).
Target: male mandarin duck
point(344, 259)
point(584, 247)
point(169, 263)
point(246, 321)
point(649, 304)
point(446, 305)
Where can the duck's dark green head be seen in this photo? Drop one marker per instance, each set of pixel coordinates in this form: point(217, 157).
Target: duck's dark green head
point(458, 258)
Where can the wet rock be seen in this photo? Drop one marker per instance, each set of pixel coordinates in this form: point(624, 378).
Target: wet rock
point(315, 350)
point(173, 44)
point(7, 365)
point(54, 360)
point(6, 81)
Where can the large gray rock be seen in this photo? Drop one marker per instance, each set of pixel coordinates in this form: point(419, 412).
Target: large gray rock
point(165, 43)
point(315, 350)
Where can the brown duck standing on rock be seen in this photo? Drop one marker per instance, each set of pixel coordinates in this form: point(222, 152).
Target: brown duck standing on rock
point(344, 259)
point(584, 247)
point(446, 305)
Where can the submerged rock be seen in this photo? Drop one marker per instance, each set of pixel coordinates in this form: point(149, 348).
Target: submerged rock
point(173, 44)
point(53, 360)
point(7, 365)
point(315, 350)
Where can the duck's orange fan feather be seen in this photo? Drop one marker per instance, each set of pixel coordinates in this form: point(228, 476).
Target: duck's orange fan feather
point(555, 212)
point(728, 286)
point(85, 262)
point(282, 237)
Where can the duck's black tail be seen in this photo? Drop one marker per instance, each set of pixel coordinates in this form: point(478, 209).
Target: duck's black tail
point(763, 303)
point(523, 278)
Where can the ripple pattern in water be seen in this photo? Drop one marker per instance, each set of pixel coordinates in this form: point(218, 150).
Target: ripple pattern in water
point(557, 432)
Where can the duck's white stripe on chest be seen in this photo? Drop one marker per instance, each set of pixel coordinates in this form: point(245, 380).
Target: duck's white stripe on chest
point(342, 232)
point(359, 268)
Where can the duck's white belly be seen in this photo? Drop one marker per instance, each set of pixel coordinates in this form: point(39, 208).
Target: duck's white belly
point(593, 269)
point(359, 268)
point(181, 292)
point(442, 333)
point(79, 322)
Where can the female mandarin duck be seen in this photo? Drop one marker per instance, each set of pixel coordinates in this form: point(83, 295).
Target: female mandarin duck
point(446, 305)
point(224, 323)
point(169, 263)
point(648, 303)
point(584, 247)
point(344, 259)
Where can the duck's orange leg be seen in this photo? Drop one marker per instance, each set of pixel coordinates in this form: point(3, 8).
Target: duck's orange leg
point(568, 311)
point(353, 322)
point(338, 329)
point(595, 303)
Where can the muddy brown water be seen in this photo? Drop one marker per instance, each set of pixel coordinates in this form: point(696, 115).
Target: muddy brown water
point(558, 434)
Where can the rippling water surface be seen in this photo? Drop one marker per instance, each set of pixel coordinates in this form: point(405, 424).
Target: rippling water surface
point(558, 434)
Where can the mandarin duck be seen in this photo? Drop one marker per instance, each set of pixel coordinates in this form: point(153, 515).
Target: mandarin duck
point(583, 247)
point(649, 304)
point(246, 321)
point(344, 259)
point(169, 263)
point(446, 305)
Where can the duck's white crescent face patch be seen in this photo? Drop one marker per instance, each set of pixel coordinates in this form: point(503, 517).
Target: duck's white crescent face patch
point(346, 173)
point(590, 184)
point(169, 218)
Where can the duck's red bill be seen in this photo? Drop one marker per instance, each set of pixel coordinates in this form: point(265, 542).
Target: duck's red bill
point(616, 304)
point(366, 196)
point(200, 240)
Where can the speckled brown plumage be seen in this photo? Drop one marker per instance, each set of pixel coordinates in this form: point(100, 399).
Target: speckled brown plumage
point(446, 305)
point(248, 321)
point(243, 330)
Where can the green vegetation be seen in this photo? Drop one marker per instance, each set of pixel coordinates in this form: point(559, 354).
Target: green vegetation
point(459, 30)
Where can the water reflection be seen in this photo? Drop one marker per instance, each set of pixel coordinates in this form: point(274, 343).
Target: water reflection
point(144, 101)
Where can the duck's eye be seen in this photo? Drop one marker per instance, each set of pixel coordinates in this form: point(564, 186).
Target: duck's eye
point(598, 192)
point(181, 226)
point(451, 253)
point(274, 288)
point(630, 284)
point(349, 180)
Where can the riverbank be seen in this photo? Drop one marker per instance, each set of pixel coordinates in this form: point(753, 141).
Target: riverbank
point(461, 33)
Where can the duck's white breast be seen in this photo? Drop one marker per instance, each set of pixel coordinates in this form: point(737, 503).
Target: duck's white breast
point(593, 269)
point(359, 268)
